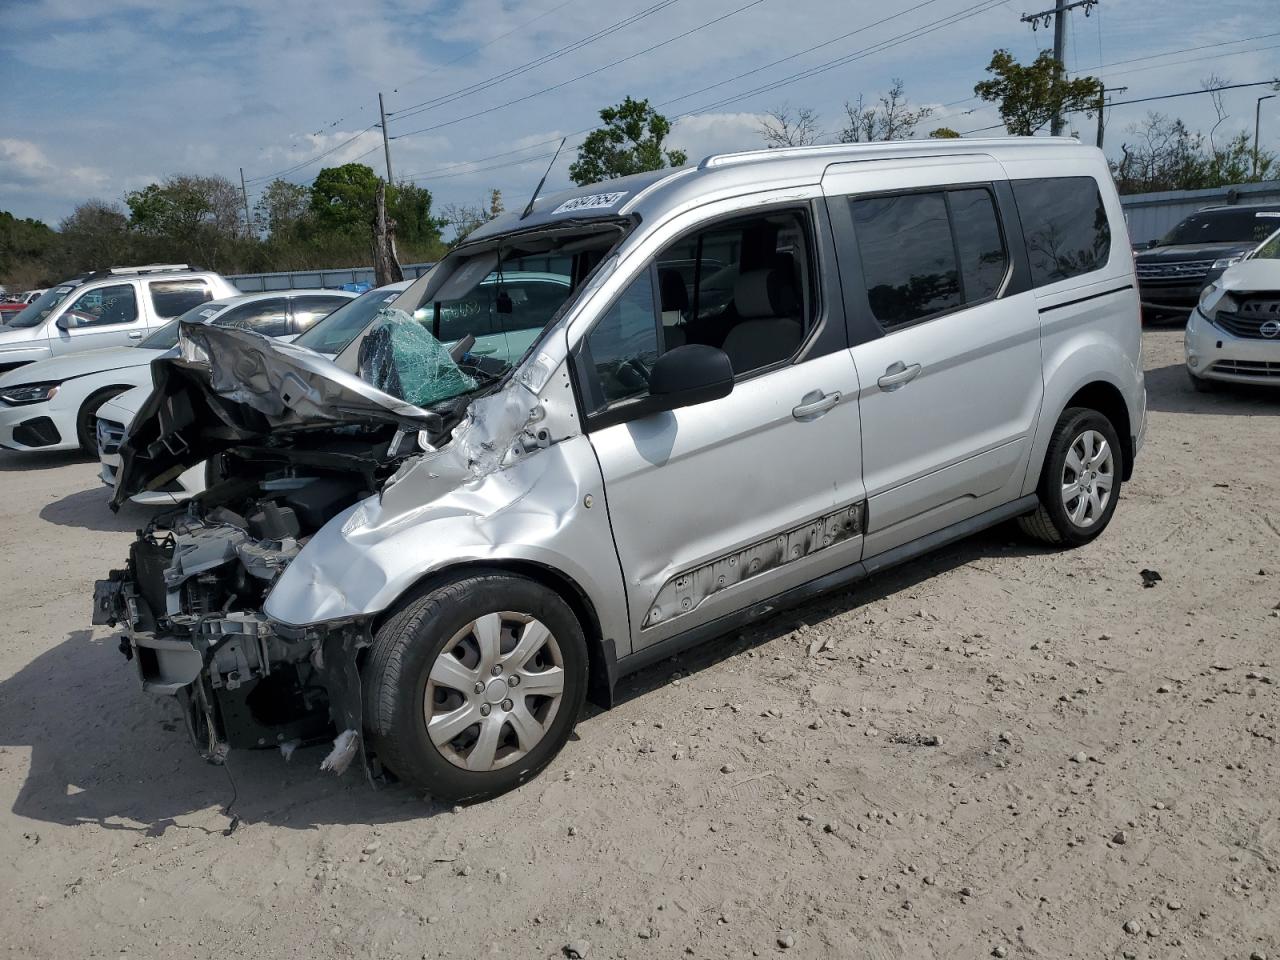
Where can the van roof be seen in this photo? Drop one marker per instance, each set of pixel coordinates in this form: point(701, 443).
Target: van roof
point(645, 193)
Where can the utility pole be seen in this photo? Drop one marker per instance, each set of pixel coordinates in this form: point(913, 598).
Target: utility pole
point(1058, 16)
point(1102, 105)
point(244, 192)
point(1257, 120)
point(386, 142)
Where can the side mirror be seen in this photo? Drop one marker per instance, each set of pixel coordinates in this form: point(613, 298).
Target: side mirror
point(688, 375)
point(68, 321)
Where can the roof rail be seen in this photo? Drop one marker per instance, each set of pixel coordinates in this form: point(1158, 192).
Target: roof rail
point(871, 148)
point(148, 268)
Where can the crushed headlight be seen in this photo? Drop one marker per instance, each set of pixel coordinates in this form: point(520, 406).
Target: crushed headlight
point(29, 393)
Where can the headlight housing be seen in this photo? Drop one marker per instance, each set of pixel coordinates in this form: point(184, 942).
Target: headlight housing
point(22, 394)
point(1211, 297)
point(1227, 262)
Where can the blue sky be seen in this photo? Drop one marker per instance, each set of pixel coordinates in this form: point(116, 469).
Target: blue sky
point(102, 98)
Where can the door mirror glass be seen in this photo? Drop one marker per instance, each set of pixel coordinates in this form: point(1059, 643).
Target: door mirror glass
point(68, 321)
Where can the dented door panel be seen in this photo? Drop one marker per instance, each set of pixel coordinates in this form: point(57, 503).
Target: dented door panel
point(701, 485)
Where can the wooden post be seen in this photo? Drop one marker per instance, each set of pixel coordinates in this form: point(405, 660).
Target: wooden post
point(386, 265)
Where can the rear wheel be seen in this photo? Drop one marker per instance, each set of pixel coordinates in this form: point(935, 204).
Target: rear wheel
point(1080, 481)
point(87, 419)
point(472, 688)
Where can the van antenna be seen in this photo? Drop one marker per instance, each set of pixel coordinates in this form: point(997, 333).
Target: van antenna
point(538, 189)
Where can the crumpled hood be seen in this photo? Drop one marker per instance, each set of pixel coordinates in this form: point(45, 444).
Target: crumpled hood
point(291, 386)
point(1252, 275)
point(231, 387)
point(58, 369)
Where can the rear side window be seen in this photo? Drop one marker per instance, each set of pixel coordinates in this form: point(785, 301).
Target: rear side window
point(172, 298)
point(1065, 225)
point(307, 310)
point(924, 254)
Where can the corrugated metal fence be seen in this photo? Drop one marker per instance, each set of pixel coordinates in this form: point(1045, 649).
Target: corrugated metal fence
point(1152, 215)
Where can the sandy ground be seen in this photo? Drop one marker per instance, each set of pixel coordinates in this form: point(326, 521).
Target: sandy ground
point(1106, 755)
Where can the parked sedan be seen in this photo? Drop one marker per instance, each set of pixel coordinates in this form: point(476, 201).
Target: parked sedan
point(1233, 335)
point(51, 404)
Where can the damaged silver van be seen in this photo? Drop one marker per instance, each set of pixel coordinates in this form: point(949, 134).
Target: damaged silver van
point(733, 386)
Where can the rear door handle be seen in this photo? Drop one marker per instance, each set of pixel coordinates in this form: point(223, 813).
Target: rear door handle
point(814, 404)
point(898, 374)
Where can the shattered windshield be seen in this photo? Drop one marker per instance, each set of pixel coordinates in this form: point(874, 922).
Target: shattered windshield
point(477, 318)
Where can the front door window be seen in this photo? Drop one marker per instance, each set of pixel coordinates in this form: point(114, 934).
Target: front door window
point(105, 307)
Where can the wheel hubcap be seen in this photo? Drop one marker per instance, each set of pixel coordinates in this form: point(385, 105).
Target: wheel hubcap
point(1088, 478)
point(494, 691)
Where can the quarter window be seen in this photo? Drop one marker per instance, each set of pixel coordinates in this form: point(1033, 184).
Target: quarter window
point(172, 298)
point(105, 306)
point(1065, 225)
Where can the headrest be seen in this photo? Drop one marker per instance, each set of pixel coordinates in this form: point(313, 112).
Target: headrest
point(765, 293)
point(672, 291)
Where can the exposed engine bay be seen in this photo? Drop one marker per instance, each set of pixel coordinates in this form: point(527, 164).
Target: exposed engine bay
point(192, 592)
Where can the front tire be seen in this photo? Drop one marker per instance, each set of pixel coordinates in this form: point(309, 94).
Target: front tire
point(1080, 481)
point(473, 687)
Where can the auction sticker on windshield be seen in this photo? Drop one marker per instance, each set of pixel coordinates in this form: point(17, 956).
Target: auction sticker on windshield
point(592, 201)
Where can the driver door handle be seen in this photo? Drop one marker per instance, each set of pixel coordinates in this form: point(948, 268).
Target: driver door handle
point(898, 374)
point(814, 404)
point(136, 336)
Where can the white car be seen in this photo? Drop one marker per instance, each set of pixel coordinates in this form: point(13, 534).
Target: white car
point(1233, 334)
point(51, 404)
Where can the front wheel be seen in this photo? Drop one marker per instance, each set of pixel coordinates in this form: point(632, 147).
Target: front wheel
point(473, 687)
point(1080, 482)
point(87, 419)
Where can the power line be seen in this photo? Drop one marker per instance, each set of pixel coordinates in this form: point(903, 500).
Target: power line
point(1214, 56)
point(310, 160)
point(798, 53)
point(583, 76)
point(880, 47)
point(430, 104)
point(1163, 96)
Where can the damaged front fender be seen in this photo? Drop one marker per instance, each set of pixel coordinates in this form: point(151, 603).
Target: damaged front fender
point(547, 508)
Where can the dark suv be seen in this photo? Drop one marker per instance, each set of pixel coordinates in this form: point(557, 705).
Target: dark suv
point(1174, 269)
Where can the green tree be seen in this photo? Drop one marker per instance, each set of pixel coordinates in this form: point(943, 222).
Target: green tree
point(282, 210)
point(629, 142)
point(943, 133)
point(417, 228)
point(25, 246)
point(96, 235)
point(189, 217)
point(1031, 94)
point(342, 198)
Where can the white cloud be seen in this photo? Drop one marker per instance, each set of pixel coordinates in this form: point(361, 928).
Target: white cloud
point(24, 166)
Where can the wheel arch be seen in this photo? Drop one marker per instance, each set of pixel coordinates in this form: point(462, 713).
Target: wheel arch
point(1106, 398)
point(601, 652)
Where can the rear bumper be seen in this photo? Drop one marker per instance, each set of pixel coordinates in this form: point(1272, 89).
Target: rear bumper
point(1213, 354)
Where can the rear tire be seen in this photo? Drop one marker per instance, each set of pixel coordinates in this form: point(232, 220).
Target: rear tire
point(1080, 481)
point(87, 419)
point(473, 687)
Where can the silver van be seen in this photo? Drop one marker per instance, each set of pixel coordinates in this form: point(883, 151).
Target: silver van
point(763, 377)
point(116, 307)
